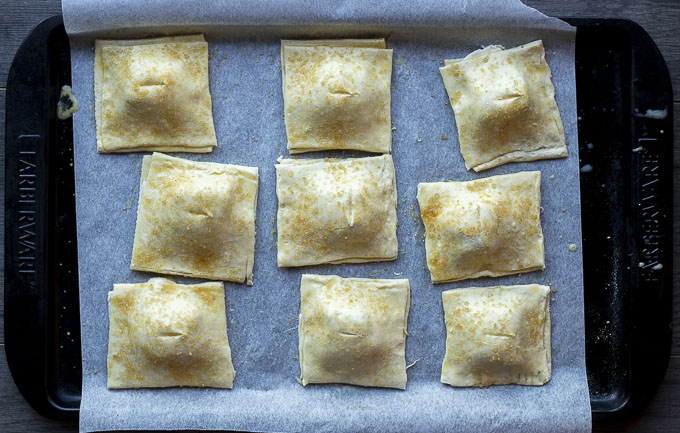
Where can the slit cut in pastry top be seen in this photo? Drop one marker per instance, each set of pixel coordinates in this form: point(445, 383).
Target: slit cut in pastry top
point(497, 335)
point(353, 330)
point(336, 211)
point(482, 228)
point(163, 334)
point(196, 219)
point(337, 94)
point(153, 95)
point(504, 105)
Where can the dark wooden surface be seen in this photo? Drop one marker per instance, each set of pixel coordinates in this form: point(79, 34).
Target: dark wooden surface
point(660, 18)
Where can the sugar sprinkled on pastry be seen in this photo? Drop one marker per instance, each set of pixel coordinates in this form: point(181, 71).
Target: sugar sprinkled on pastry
point(482, 228)
point(504, 104)
point(497, 335)
point(153, 95)
point(337, 94)
point(353, 330)
point(163, 334)
point(196, 219)
point(336, 210)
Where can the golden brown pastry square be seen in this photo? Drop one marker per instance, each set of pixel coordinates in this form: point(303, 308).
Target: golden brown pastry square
point(336, 210)
point(196, 219)
point(497, 335)
point(336, 94)
point(153, 95)
point(483, 228)
point(353, 330)
point(163, 334)
point(505, 108)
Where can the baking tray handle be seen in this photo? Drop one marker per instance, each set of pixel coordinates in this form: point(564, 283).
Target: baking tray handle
point(42, 340)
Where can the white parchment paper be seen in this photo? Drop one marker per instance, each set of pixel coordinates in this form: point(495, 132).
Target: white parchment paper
point(245, 83)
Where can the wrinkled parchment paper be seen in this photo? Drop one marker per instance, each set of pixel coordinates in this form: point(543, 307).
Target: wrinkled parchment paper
point(245, 83)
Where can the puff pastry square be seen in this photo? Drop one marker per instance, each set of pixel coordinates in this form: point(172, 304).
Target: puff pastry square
point(153, 94)
point(497, 335)
point(482, 228)
point(336, 211)
point(196, 219)
point(336, 94)
point(164, 334)
point(505, 108)
point(353, 330)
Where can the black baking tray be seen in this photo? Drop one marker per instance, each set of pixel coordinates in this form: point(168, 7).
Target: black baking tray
point(627, 202)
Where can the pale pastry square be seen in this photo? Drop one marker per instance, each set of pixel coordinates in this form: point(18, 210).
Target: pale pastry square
point(497, 335)
point(163, 334)
point(483, 228)
point(504, 104)
point(336, 94)
point(336, 211)
point(196, 219)
point(153, 95)
point(353, 331)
